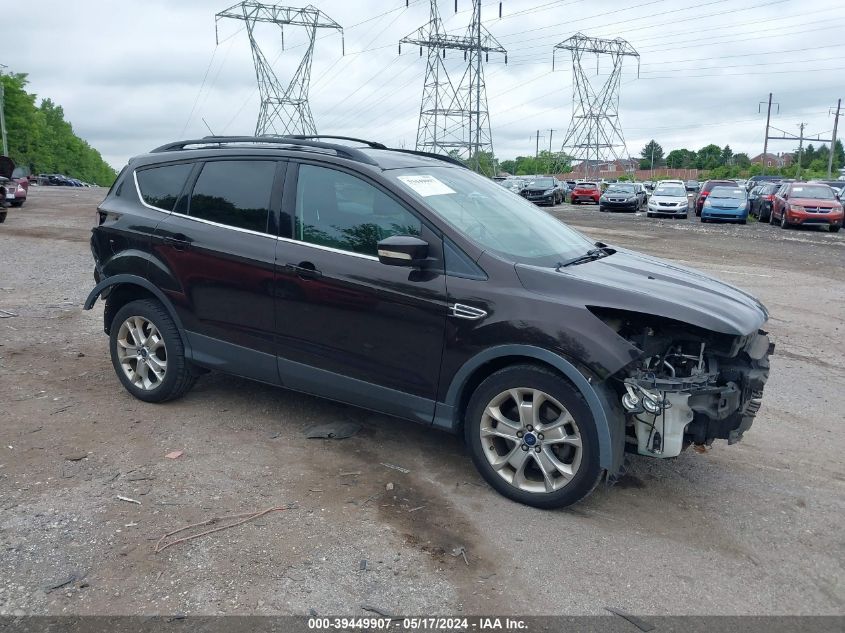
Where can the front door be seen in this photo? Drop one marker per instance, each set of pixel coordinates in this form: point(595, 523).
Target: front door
point(349, 327)
point(219, 248)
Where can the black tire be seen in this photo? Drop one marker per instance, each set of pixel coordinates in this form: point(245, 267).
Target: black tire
point(649, 214)
point(771, 216)
point(2, 217)
point(602, 209)
point(833, 229)
point(743, 221)
point(704, 220)
point(784, 224)
point(17, 203)
point(588, 472)
point(179, 376)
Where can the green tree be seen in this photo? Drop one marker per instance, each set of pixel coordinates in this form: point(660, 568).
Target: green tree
point(708, 157)
point(40, 138)
point(680, 159)
point(726, 155)
point(742, 160)
point(651, 155)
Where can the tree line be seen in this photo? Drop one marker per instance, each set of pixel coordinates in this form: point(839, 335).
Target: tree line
point(722, 162)
point(41, 140)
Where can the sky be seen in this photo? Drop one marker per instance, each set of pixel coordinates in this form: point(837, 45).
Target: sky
point(132, 75)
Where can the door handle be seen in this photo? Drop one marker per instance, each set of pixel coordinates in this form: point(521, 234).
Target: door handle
point(178, 241)
point(304, 270)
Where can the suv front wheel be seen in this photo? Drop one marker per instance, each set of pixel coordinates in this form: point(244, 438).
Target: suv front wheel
point(532, 437)
point(148, 354)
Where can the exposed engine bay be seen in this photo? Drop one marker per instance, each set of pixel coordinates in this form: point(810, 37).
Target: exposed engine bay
point(690, 386)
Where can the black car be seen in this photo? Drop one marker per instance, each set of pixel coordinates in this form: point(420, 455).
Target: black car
point(692, 185)
point(760, 200)
point(761, 180)
point(545, 190)
point(404, 283)
point(623, 197)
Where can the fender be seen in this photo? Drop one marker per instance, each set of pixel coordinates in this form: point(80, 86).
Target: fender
point(610, 426)
point(135, 280)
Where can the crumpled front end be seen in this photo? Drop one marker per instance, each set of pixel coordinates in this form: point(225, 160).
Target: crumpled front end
point(690, 386)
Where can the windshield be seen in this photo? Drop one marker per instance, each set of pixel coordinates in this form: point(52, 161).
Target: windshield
point(727, 192)
point(494, 219)
point(621, 189)
point(817, 192)
point(674, 192)
point(543, 182)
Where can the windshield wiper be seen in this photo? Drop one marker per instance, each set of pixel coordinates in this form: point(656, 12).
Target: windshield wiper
point(591, 255)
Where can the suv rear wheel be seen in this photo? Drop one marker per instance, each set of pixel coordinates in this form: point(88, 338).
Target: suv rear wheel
point(148, 354)
point(532, 437)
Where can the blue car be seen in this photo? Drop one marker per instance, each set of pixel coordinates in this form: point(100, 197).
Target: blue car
point(726, 203)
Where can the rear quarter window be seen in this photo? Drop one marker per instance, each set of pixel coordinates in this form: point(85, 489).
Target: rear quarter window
point(235, 193)
point(160, 186)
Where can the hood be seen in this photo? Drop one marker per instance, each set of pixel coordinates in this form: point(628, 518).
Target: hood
point(7, 166)
point(814, 202)
point(635, 282)
point(658, 198)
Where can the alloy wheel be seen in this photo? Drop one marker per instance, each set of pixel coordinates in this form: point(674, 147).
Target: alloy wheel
point(141, 352)
point(531, 440)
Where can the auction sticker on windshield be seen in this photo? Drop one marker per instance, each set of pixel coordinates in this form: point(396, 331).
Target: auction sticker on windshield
point(426, 185)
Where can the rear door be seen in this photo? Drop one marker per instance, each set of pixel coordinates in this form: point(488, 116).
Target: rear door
point(218, 247)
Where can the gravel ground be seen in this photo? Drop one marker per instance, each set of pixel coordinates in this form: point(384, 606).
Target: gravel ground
point(754, 528)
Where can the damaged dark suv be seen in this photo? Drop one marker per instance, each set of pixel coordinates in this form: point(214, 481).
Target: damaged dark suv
point(404, 283)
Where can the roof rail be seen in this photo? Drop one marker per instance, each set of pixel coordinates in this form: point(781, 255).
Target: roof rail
point(370, 144)
point(291, 141)
point(294, 141)
point(444, 157)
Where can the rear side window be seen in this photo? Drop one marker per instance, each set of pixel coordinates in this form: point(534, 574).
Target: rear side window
point(160, 186)
point(235, 193)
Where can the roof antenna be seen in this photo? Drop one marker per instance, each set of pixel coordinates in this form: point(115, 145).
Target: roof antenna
point(208, 126)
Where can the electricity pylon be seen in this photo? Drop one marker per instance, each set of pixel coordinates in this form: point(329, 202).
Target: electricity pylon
point(453, 116)
point(283, 111)
point(594, 130)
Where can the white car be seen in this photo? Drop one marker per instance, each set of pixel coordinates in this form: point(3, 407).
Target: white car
point(669, 198)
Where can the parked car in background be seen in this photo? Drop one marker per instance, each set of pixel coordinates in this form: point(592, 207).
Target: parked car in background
point(759, 180)
point(692, 185)
point(805, 203)
point(513, 184)
point(648, 184)
point(15, 186)
point(622, 196)
point(543, 190)
point(726, 202)
point(705, 191)
point(586, 192)
point(760, 200)
point(669, 199)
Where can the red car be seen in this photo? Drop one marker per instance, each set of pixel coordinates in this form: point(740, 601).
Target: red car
point(806, 203)
point(706, 188)
point(586, 192)
point(14, 189)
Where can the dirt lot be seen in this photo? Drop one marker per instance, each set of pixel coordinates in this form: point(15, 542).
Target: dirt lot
point(755, 528)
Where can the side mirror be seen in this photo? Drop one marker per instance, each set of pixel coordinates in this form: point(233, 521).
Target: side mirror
point(402, 250)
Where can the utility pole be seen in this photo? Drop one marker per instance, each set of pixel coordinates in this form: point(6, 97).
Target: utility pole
point(800, 148)
point(3, 118)
point(652, 159)
point(551, 161)
point(768, 121)
point(832, 142)
point(2, 114)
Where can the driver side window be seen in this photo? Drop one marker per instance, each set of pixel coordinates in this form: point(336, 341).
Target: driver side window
point(337, 209)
